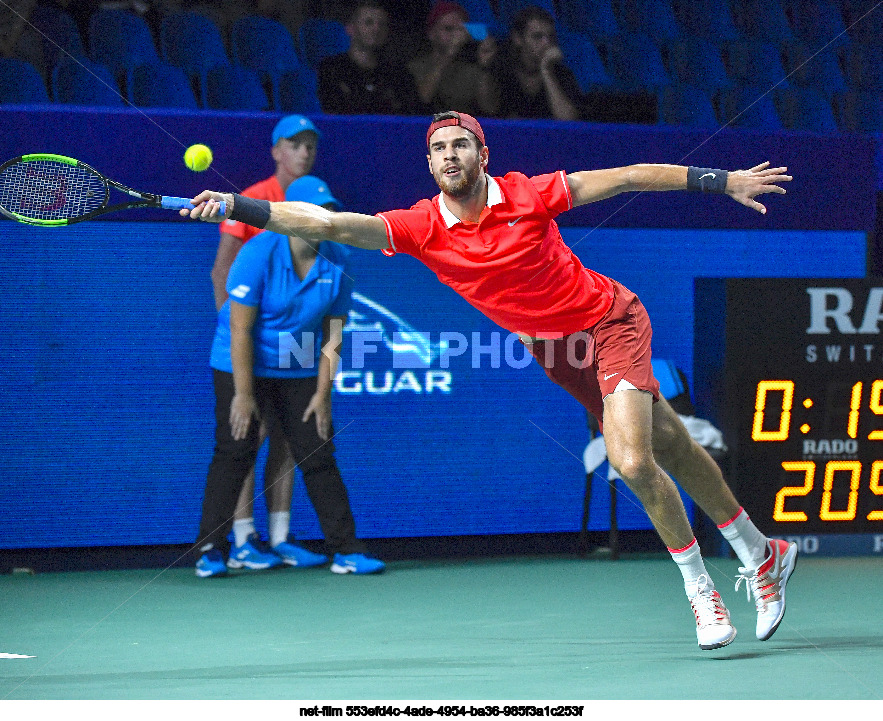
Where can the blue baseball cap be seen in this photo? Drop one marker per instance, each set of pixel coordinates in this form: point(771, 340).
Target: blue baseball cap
point(310, 189)
point(291, 125)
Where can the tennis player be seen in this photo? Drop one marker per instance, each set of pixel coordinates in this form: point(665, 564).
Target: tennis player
point(496, 243)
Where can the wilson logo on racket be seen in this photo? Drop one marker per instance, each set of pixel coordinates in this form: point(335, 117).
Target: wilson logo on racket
point(53, 190)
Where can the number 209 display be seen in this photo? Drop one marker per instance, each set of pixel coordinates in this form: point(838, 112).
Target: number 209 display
point(803, 409)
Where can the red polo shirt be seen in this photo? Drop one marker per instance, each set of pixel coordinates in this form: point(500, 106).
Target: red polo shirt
point(512, 265)
point(268, 189)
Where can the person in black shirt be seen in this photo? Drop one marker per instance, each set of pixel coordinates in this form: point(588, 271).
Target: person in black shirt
point(537, 83)
point(359, 81)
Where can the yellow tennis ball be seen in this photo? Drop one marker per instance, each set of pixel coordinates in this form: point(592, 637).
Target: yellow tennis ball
point(198, 157)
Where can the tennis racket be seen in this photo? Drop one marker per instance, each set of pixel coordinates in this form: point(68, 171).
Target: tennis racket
point(54, 190)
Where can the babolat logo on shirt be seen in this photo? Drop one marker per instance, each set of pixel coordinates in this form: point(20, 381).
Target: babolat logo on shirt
point(240, 291)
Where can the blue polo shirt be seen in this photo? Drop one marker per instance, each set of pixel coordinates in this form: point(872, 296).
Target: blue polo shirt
point(288, 329)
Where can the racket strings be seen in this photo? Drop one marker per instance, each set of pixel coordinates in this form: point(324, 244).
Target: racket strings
point(49, 190)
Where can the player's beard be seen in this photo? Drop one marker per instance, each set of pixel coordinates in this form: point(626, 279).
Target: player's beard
point(463, 186)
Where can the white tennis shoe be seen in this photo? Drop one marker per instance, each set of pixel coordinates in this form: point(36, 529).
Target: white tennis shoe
point(768, 582)
point(713, 627)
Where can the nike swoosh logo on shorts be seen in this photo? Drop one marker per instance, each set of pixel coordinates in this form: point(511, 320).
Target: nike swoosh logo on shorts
point(608, 377)
point(513, 222)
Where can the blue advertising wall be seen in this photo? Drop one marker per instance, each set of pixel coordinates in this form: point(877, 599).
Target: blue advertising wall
point(108, 407)
point(107, 400)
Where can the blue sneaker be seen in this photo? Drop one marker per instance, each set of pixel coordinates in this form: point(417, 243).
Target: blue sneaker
point(356, 563)
point(295, 555)
point(253, 554)
point(211, 563)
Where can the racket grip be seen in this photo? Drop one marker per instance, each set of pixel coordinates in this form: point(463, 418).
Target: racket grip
point(171, 203)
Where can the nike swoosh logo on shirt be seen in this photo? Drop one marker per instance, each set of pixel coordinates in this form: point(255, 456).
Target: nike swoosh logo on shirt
point(513, 222)
point(608, 377)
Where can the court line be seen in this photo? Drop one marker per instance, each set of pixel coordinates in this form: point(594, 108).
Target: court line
point(635, 196)
point(708, 562)
point(136, 592)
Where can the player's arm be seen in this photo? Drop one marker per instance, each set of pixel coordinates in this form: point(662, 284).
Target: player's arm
point(244, 404)
point(228, 248)
point(589, 186)
point(305, 220)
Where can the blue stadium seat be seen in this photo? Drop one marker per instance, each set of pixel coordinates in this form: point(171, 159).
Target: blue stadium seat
point(161, 85)
point(595, 19)
point(265, 46)
point(234, 87)
point(763, 20)
point(120, 40)
point(480, 11)
point(299, 92)
point(860, 111)
point(79, 81)
point(59, 32)
point(21, 83)
point(864, 21)
point(752, 62)
point(581, 56)
point(671, 385)
point(709, 19)
point(687, 106)
point(635, 62)
point(650, 17)
point(808, 68)
point(318, 39)
point(193, 43)
point(805, 109)
point(818, 23)
point(696, 62)
point(747, 107)
point(864, 67)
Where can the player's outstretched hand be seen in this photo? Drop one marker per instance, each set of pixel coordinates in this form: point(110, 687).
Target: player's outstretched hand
point(207, 205)
point(744, 185)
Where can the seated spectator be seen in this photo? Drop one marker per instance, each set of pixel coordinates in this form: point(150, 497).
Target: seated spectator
point(17, 38)
point(447, 79)
point(359, 82)
point(536, 83)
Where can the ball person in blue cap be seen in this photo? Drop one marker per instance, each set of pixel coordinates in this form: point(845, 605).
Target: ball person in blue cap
point(294, 143)
point(274, 357)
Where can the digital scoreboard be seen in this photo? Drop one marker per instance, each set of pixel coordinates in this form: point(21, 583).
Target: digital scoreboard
point(802, 407)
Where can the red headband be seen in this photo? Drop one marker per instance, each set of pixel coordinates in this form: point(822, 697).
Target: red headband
point(467, 122)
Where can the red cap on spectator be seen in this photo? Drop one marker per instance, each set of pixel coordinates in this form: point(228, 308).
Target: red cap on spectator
point(463, 120)
point(442, 8)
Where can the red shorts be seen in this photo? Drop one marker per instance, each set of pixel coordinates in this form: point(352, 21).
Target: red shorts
point(589, 364)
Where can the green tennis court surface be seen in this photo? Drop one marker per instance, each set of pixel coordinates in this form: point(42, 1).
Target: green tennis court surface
point(511, 628)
